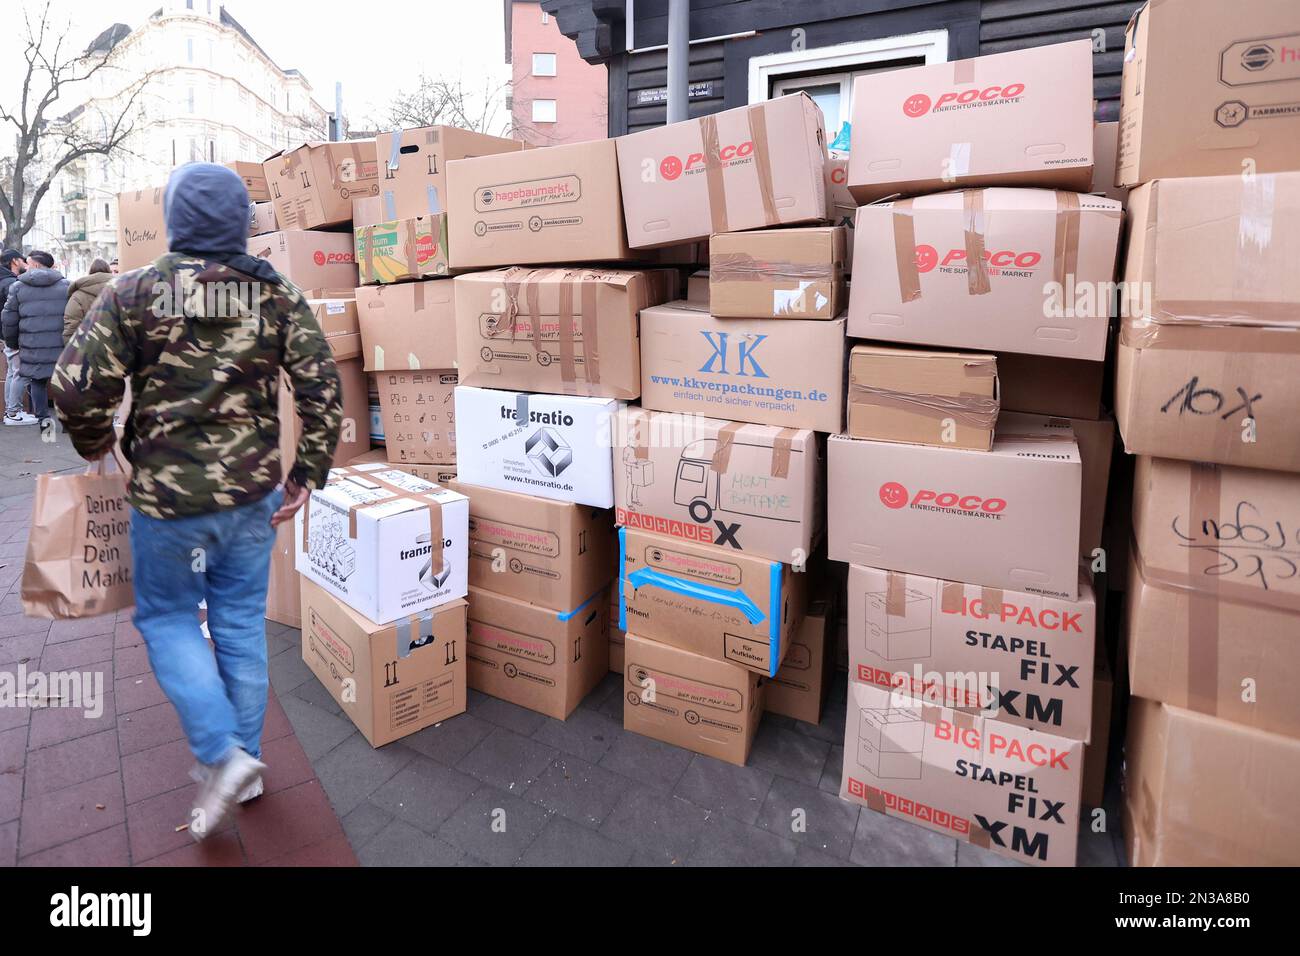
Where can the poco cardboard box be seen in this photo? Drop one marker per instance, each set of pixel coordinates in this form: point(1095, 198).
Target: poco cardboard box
point(751, 488)
point(419, 412)
point(371, 538)
point(778, 273)
point(1044, 264)
point(552, 446)
point(399, 249)
point(745, 168)
point(141, 228)
point(1214, 601)
point(1019, 657)
point(1209, 87)
point(549, 553)
point(841, 208)
point(785, 372)
point(691, 701)
point(309, 259)
point(408, 325)
point(1208, 365)
point(1021, 118)
point(557, 204)
point(541, 659)
point(722, 604)
point(1206, 792)
point(569, 331)
point(413, 165)
point(616, 636)
point(390, 679)
point(949, 399)
point(990, 783)
point(261, 218)
point(313, 185)
point(1005, 518)
point(799, 688)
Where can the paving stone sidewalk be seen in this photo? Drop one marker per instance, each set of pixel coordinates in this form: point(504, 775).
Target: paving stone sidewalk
point(499, 785)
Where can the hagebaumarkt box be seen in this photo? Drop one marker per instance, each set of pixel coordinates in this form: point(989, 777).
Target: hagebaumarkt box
point(569, 331)
point(313, 185)
point(408, 325)
point(557, 204)
point(751, 488)
point(689, 700)
point(726, 605)
point(552, 446)
point(1209, 88)
point(308, 258)
point(1022, 118)
point(549, 553)
point(785, 372)
point(385, 542)
point(1008, 789)
point(1005, 518)
point(532, 656)
point(399, 249)
point(778, 273)
point(745, 168)
point(419, 413)
point(974, 648)
point(413, 165)
point(1043, 266)
point(390, 679)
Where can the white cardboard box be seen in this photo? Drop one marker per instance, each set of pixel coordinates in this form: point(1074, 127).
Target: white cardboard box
point(561, 451)
point(367, 538)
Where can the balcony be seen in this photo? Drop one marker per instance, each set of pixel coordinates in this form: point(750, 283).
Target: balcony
point(74, 195)
point(74, 235)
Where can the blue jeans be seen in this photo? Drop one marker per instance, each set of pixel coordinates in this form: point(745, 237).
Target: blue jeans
point(219, 690)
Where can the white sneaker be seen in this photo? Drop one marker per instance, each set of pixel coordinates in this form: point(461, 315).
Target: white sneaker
point(22, 418)
point(222, 785)
point(199, 773)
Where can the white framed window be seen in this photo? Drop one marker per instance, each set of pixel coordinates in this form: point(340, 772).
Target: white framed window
point(543, 64)
point(543, 111)
point(827, 73)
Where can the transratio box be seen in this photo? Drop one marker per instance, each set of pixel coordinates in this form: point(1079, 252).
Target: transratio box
point(691, 701)
point(550, 553)
point(745, 168)
point(385, 542)
point(752, 488)
point(723, 604)
point(1005, 788)
point(1022, 118)
point(782, 372)
point(390, 679)
point(1015, 270)
point(313, 185)
point(1005, 518)
point(569, 331)
point(1023, 658)
point(545, 660)
point(552, 446)
point(408, 325)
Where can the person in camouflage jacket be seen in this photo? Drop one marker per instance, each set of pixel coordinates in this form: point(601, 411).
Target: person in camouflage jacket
point(202, 336)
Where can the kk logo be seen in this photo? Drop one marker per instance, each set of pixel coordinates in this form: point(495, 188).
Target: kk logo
point(548, 452)
point(746, 345)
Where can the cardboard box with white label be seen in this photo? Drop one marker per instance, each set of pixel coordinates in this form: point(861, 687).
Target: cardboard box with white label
point(723, 604)
point(1005, 518)
point(691, 701)
point(778, 273)
point(390, 679)
point(532, 656)
point(751, 488)
point(419, 413)
point(409, 325)
point(386, 543)
point(552, 446)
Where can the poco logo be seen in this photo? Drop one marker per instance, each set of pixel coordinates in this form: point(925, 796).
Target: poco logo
point(893, 495)
point(927, 257)
point(671, 167)
point(320, 257)
point(919, 104)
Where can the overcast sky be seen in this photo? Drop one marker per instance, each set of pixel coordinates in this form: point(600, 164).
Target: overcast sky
point(373, 47)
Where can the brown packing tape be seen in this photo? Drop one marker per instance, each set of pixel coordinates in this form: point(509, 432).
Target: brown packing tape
point(1032, 437)
point(568, 373)
point(756, 118)
point(976, 411)
point(977, 272)
point(952, 595)
point(1203, 607)
point(722, 453)
point(713, 174)
point(590, 344)
point(412, 266)
point(979, 837)
point(895, 594)
point(740, 267)
point(909, 276)
point(876, 800)
point(532, 296)
point(418, 293)
point(782, 443)
point(1170, 580)
point(638, 425)
point(1068, 218)
point(991, 597)
point(1136, 333)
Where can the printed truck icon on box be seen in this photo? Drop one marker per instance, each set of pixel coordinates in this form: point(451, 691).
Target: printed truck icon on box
point(902, 636)
point(890, 742)
point(700, 488)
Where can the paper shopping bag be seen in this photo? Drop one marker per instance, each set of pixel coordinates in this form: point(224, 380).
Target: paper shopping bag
point(79, 550)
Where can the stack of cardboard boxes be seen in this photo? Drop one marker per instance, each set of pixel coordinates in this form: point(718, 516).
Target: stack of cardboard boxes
point(1207, 389)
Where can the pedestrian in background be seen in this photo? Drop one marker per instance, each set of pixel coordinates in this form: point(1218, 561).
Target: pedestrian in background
point(12, 265)
point(82, 294)
point(32, 322)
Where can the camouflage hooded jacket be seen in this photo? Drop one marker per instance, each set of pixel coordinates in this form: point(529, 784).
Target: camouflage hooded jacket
point(202, 346)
